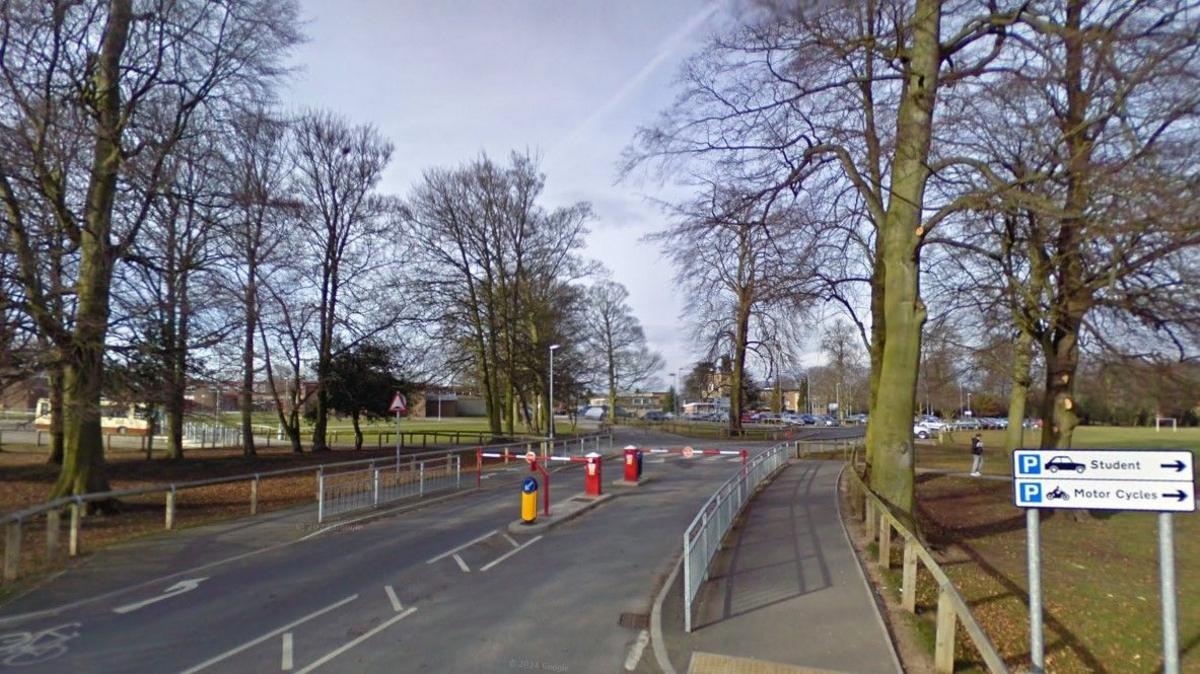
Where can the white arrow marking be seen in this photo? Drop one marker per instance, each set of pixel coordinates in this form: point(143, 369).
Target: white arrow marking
point(394, 599)
point(177, 589)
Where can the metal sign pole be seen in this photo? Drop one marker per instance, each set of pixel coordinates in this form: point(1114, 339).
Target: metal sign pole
point(397, 438)
point(1033, 538)
point(1166, 565)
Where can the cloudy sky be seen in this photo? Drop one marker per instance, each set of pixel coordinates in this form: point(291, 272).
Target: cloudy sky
point(568, 79)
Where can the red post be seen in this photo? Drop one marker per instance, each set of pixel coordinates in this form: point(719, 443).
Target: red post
point(592, 481)
point(631, 464)
point(745, 456)
point(535, 467)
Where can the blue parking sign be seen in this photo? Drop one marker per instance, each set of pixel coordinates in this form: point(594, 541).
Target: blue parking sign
point(1029, 492)
point(1029, 464)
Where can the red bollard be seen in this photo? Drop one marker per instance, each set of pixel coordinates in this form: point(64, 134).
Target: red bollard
point(592, 481)
point(631, 474)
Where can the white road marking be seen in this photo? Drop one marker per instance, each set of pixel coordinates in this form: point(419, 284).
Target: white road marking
point(175, 590)
point(510, 553)
point(269, 635)
point(393, 598)
point(286, 661)
point(736, 459)
point(635, 651)
point(468, 544)
point(461, 564)
point(510, 540)
point(351, 644)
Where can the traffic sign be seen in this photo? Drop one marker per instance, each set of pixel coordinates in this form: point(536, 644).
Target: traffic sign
point(688, 452)
point(530, 457)
point(399, 403)
point(1104, 479)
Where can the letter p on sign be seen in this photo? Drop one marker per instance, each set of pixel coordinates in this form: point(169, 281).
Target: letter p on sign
point(1029, 464)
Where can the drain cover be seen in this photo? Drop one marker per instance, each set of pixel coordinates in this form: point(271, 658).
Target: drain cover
point(635, 621)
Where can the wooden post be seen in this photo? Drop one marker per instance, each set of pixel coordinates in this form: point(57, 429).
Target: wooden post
point(254, 496)
point(39, 439)
point(170, 517)
point(943, 650)
point(885, 542)
point(12, 550)
point(908, 589)
point(73, 536)
point(53, 522)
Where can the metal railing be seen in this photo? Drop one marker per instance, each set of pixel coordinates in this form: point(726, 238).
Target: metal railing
point(74, 506)
point(951, 607)
point(351, 491)
point(704, 535)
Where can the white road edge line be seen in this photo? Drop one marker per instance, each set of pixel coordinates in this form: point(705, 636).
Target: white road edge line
point(510, 540)
point(269, 635)
point(468, 544)
point(635, 651)
point(391, 593)
point(286, 660)
point(461, 564)
point(510, 553)
point(351, 644)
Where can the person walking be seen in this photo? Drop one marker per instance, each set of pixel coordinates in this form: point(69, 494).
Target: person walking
point(976, 455)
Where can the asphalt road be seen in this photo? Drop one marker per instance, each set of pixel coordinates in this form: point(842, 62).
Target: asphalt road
point(442, 588)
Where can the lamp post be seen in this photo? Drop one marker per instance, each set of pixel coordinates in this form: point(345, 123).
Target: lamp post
point(553, 348)
point(837, 399)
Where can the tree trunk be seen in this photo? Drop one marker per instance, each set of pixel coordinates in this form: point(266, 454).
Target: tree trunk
point(892, 473)
point(742, 331)
point(56, 414)
point(358, 435)
point(247, 401)
point(83, 468)
point(1058, 407)
point(1022, 379)
point(878, 339)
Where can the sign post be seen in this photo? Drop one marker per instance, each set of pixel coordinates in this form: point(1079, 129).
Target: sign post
point(1161, 481)
point(399, 406)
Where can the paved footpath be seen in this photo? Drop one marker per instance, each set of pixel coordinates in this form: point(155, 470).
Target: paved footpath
point(786, 589)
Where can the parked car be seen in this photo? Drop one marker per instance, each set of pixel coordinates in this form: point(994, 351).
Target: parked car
point(968, 424)
point(923, 432)
point(931, 422)
point(596, 412)
point(654, 415)
point(1064, 463)
point(856, 418)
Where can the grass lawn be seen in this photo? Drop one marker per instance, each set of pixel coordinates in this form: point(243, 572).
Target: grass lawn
point(1100, 570)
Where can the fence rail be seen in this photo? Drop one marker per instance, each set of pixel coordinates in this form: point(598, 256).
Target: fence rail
point(952, 609)
point(704, 535)
point(74, 506)
point(351, 491)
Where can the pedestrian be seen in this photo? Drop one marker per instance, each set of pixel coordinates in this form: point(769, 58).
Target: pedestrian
point(976, 454)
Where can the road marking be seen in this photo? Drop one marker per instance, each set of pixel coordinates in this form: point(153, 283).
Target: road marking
point(269, 635)
point(286, 661)
point(468, 544)
point(635, 651)
point(393, 598)
point(510, 553)
point(175, 590)
point(351, 644)
point(461, 564)
point(736, 459)
point(510, 540)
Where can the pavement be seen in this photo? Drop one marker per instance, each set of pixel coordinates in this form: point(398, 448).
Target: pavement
point(786, 594)
point(442, 587)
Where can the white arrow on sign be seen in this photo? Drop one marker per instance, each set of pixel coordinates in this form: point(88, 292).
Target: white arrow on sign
point(177, 589)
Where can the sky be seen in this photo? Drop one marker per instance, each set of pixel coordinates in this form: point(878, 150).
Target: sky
point(570, 80)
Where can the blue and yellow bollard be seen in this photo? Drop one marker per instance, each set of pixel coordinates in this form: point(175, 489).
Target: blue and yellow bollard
point(529, 490)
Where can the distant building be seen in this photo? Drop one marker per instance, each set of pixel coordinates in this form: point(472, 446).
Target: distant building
point(636, 403)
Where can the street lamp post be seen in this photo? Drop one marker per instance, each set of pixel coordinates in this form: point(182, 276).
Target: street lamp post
point(837, 399)
point(553, 348)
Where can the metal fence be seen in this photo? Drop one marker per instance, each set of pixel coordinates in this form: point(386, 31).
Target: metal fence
point(73, 507)
point(704, 535)
point(350, 491)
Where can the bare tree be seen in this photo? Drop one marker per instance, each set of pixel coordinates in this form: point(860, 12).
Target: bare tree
point(616, 339)
point(96, 97)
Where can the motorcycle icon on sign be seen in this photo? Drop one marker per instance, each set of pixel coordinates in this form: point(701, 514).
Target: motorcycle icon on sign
point(1058, 494)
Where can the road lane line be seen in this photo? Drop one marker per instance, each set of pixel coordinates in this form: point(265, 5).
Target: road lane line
point(635, 651)
point(510, 540)
point(286, 661)
point(510, 553)
point(269, 635)
point(391, 593)
point(351, 644)
point(468, 544)
point(461, 564)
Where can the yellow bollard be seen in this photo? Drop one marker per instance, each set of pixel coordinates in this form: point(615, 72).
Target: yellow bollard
point(529, 491)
